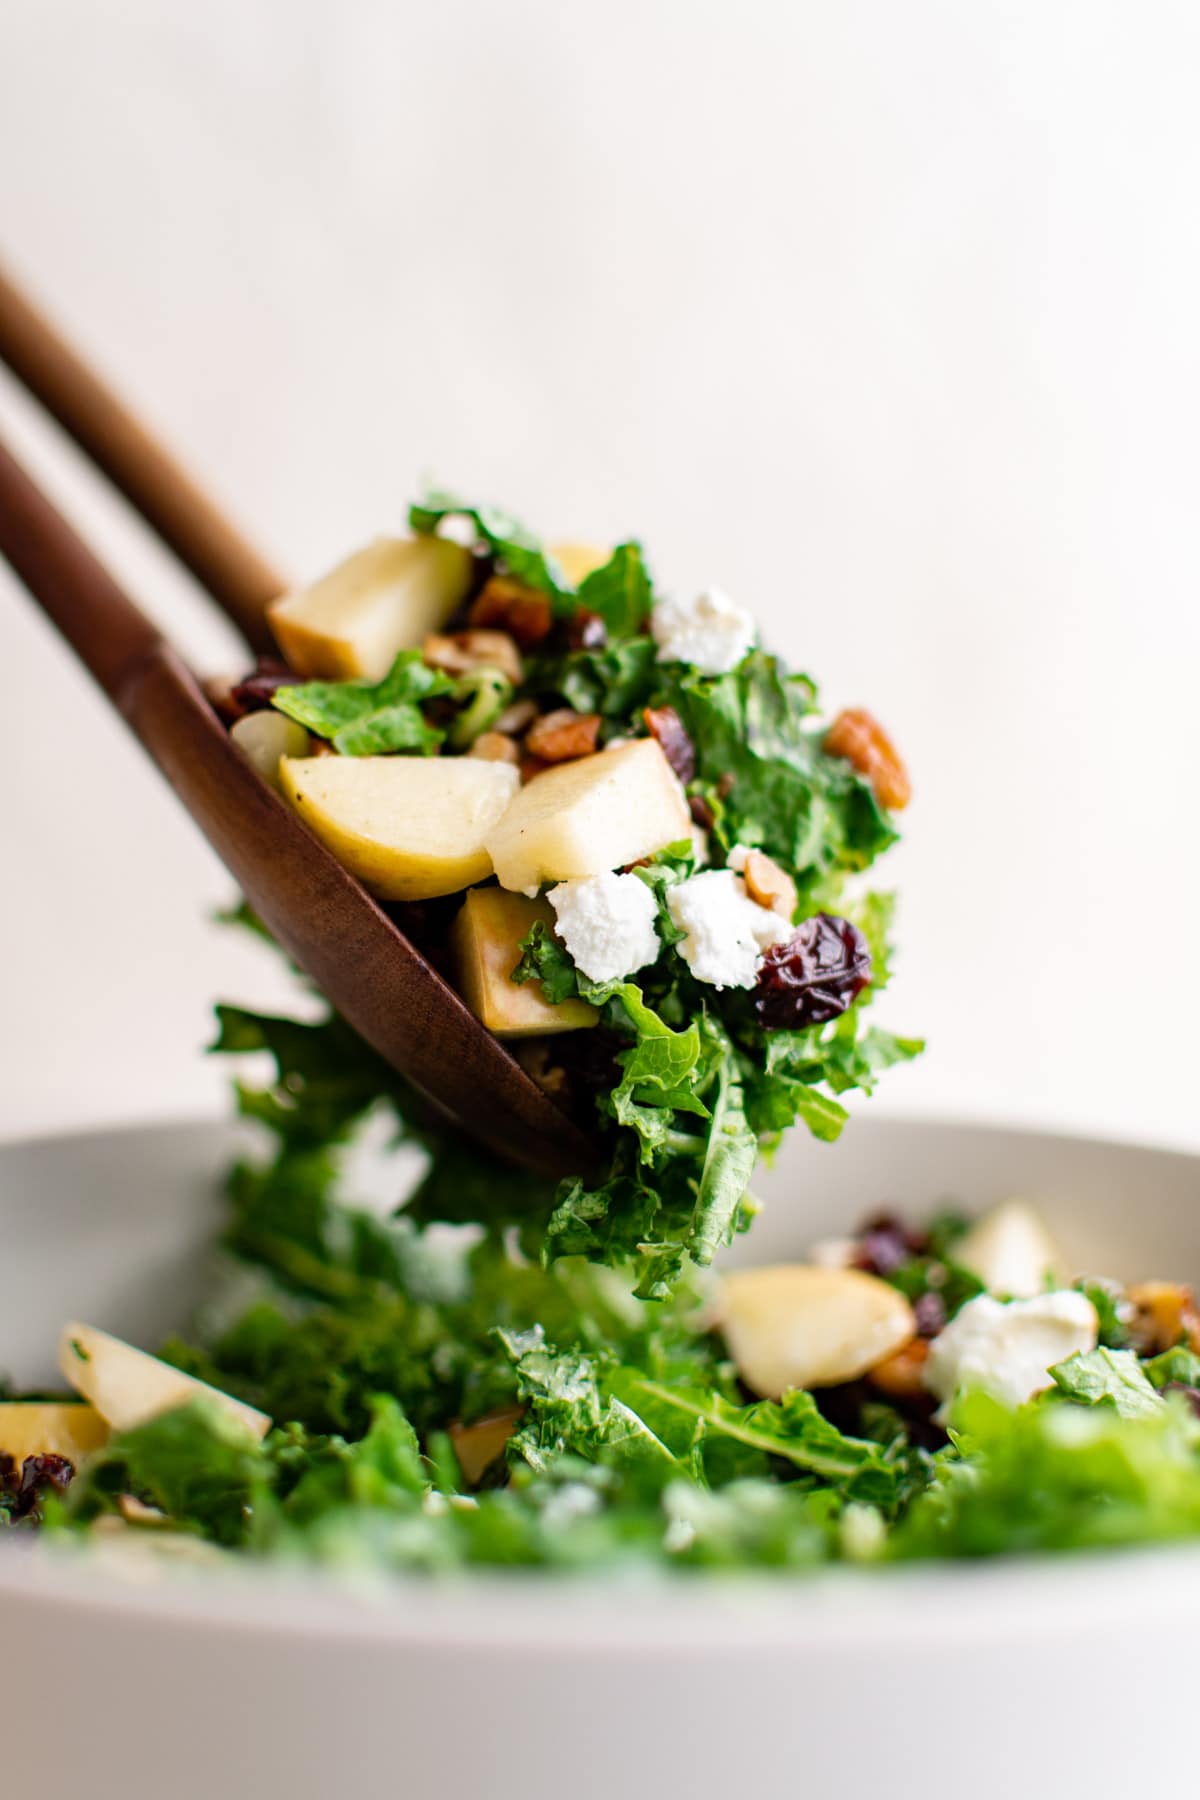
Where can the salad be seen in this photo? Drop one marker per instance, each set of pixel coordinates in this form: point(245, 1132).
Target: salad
point(638, 848)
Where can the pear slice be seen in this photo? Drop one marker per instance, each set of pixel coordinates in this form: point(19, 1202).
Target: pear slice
point(410, 827)
point(381, 600)
point(1010, 1250)
point(50, 1428)
point(127, 1386)
point(793, 1325)
point(485, 941)
point(578, 561)
point(582, 818)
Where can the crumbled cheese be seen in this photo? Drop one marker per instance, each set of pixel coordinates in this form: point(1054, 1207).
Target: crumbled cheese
point(1010, 1347)
point(833, 1253)
point(726, 932)
point(607, 923)
point(711, 632)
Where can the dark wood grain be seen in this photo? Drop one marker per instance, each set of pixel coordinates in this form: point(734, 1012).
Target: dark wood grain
point(331, 927)
point(224, 562)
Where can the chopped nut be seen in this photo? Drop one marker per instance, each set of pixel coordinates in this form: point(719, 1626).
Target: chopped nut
point(534, 1056)
point(902, 1373)
point(563, 735)
point(521, 611)
point(494, 746)
point(531, 767)
point(479, 1444)
point(770, 885)
point(473, 650)
point(858, 736)
point(1165, 1315)
point(515, 718)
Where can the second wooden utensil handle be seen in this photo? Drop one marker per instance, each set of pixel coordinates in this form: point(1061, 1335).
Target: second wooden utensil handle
point(238, 578)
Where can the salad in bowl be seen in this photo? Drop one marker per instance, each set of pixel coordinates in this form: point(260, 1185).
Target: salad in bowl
point(640, 851)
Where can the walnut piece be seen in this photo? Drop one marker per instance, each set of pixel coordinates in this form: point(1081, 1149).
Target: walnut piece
point(473, 650)
point(563, 735)
point(858, 736)
point(770, 885)
point(509, 606)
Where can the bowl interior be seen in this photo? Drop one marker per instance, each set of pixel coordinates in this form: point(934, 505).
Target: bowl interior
point(116, 1227)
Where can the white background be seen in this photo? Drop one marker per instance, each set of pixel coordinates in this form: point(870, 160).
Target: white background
point(883, 316)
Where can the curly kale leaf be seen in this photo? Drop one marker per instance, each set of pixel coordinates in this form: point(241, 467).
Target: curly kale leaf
point(365, 718)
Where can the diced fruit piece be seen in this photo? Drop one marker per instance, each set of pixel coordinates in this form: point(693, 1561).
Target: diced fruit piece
point(792, 1325)
point(479, 1444)
point(1009, 1249)
point(379, 601)
point(127, 1386)
point(50, 1428)
point(585, 817)
point(410, 827)
point(264, 737)
point(578, 561)
point(485, 942)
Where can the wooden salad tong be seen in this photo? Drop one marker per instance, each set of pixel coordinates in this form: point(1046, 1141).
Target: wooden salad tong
point(331, 927)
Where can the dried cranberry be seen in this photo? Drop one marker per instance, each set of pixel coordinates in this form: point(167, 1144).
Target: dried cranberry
point(665, 724)
point(929, 1310)
point(883, 1247)
point(702, 813)
point(586, 630)
point(814, 976)
point(255, 691)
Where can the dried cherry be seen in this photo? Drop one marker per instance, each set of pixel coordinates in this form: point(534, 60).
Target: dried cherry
point(665, 724)
point(255, 692)
point(814, 975)
point(37, 1475)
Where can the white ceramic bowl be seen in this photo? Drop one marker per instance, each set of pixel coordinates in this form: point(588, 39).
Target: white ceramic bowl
point(1056, 1678)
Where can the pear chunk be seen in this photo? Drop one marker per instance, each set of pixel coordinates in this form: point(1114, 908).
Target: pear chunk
point(582, 818)
point(379, 601)
point(127, 1386)
point(410, 827)
point(578, 561)
point(485, 942)
point(50, 1428)
point(795, 1325)
point(1010, 1250)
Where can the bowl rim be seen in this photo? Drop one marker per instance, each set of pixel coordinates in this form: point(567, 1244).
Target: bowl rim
point(686, 1612)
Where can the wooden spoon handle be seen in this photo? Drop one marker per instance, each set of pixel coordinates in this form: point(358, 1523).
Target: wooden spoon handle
point(220, 558)
point(320, 915)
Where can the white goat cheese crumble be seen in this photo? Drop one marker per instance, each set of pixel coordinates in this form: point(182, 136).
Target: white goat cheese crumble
point(726, 931)
point(1009, 1348)
point(711, 632)
point(607, 922)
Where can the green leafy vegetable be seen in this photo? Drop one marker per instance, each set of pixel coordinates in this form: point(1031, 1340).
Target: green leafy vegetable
point(517, 549)
point(620, 591)
point(1113, 1377)
point(363, 718)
